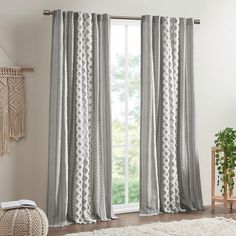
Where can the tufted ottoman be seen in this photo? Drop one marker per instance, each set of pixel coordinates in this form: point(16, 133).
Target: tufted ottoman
point(23, 222)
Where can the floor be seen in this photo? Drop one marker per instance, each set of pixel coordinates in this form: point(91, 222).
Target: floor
point(135, 219)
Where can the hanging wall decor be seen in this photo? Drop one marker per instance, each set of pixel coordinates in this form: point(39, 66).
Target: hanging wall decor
point(12, 106)
point(12, 103)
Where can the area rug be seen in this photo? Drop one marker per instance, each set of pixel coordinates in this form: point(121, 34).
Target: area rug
point(198, 227)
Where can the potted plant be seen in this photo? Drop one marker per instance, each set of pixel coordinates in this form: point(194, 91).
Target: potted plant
point(226, 159)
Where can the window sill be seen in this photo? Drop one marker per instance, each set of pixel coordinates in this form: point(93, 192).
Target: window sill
point(126, 208)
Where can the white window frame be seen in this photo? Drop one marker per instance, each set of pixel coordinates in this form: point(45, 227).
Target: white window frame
point(127, 207)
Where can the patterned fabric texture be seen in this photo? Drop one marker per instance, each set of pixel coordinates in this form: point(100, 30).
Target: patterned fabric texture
point(170, 180)
point(23, 222)
point(79, 183)
point(12, 106)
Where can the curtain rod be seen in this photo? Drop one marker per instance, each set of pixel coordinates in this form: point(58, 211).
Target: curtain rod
point(49, 12)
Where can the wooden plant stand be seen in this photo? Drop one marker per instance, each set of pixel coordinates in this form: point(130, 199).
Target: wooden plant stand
point(218, 198)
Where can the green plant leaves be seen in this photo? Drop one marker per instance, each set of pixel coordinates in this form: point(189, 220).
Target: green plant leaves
point(226, 159)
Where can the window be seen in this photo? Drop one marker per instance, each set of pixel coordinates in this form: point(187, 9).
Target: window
point(125, 100)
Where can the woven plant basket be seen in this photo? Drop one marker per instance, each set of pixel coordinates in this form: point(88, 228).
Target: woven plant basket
point(23, 222)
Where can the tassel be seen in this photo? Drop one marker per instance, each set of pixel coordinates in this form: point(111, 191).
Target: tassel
point(4, 135)
point(4, 123)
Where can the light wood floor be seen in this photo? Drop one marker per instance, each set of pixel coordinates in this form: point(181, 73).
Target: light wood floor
point(135, 219)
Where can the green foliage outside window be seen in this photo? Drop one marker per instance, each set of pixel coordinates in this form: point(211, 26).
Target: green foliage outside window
point(118, 91)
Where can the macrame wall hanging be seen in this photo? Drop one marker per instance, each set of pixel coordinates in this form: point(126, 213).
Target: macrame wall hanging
point(12, 105)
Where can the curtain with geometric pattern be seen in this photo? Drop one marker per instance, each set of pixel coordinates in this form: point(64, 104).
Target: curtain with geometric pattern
point(79, 175)
point(170, 180)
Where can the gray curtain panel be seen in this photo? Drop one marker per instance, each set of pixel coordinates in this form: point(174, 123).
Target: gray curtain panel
point(79, 176)
point(170, 179)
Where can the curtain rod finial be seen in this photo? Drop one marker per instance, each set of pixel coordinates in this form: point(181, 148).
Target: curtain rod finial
point(47, 12)
point(197, 21)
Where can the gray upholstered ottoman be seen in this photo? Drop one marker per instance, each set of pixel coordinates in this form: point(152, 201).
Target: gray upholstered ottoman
point(23, 222)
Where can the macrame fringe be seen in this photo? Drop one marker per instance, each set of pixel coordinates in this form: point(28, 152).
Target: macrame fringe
point(4, 134)
point(17, 125)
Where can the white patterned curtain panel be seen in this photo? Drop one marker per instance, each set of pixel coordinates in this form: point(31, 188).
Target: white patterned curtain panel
point(79, 181)
point(170, 180)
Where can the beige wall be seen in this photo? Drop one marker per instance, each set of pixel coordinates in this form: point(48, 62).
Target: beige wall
point(26, 35)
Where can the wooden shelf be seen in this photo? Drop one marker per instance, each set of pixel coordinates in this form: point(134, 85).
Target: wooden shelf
point(216, 198)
